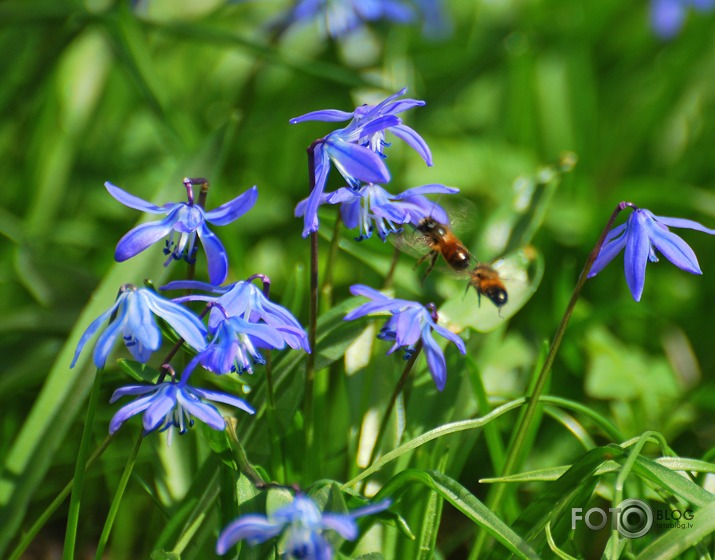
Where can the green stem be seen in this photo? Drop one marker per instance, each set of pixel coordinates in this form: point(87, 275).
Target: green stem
point(327, 288)
point(56, 503)
point(391, 271)
point(277, 455)
point(244, 465)
point(118, 495)
point(80, 469)
point(312, 329)
point(520, 435)
point(391, 404)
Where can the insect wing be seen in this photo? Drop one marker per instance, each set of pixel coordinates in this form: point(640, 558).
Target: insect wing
point(521, 274)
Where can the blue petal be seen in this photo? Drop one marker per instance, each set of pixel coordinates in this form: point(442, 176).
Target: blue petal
point(408, 328)
point(266, 333)
point(326, 115)
point(414, 141)
point(89, 333)
point(356, 162)
point(195, 285)
point(107, 338)
point(636, 254)
point(129, 410)
point(432, 188)
point(142, 237)
point(140, 322)
point(230, 211)
point(370, 509)
point(131, 390)
point(253, 528)
point(216, 258)
point(184, 322)
point(368, 292)
point(321, 160)
point(369, 127)
point(162, 404)
point(344, 525)
point(675, 250)
point(134, 201)
point(682, 223)
point(449, 335)
point(435, 360)
point(205, 412)
point(612, 245)
point(217, 396)
point(350, 213)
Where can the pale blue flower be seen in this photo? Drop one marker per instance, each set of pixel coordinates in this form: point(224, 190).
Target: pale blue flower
point(303, 524)
point(641, 235)
point(667, 16)
point(187, 220)
point(342, 17)
point(371, 207)
point(173, 404)
point(245, 301)
point(132, 317)
point(410, 322)
point(357, 149)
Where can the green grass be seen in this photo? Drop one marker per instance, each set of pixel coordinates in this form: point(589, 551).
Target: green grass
point(94, 92)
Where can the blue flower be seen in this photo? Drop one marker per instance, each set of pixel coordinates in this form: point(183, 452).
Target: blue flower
point(641, 235)
point(341, 17)
point(303, 524)
point(410, 322)
point(357, 149)
point(233, 345)
point(131, 316)
point(372, 207)
point(186, 219)
point(246, 302)
point(173, 404)
point(667, 16)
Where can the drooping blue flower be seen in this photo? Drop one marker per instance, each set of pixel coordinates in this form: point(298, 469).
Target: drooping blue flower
point(372, 207)
point(641, 235)
point(187, 220)
point(667, 16)
point(357, 149)
point(245, 301)
point(173, 404)
point(234, 342)
point(342, 17)
point(410, 322)
point(132, 317)
point(303, 524)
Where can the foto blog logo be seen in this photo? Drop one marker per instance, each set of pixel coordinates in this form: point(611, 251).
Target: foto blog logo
point(632, 518)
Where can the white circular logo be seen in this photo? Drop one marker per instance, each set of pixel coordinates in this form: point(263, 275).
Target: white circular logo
point(634, 518)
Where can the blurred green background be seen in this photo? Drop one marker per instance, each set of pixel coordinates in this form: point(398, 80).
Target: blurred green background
point(97, 90)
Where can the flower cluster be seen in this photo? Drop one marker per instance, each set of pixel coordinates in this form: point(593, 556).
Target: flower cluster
point(302, 525)
point(241, 320)
point(357, 150)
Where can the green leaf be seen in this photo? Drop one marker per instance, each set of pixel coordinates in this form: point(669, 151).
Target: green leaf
point(464, 501)
point(141, 372)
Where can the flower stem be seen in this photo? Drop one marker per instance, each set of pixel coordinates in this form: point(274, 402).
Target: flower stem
point(312, 327)
point(117, 500)
point(327, 288)
point(244, 465)
point(496, 496)
point(80, 469)
point(393, 268)
point(391, 404)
